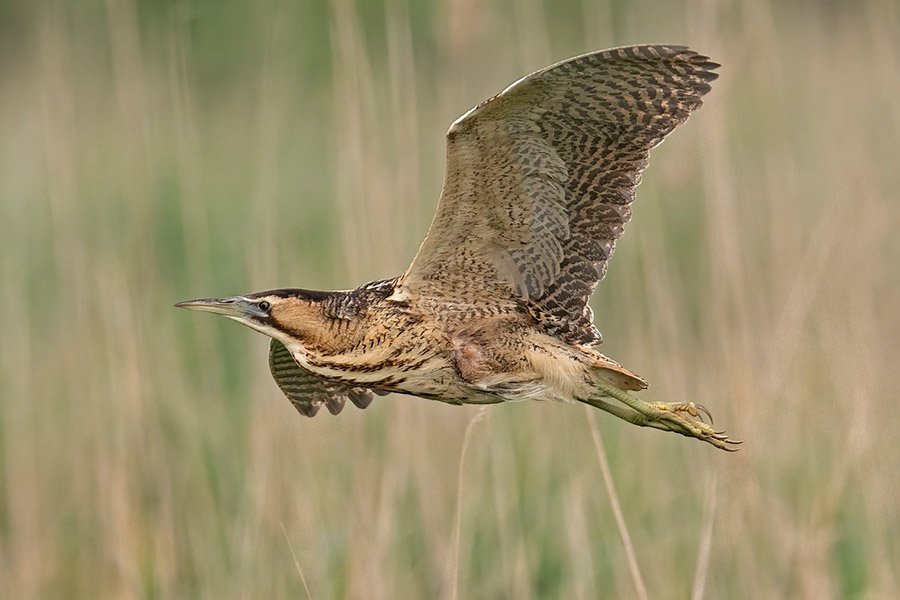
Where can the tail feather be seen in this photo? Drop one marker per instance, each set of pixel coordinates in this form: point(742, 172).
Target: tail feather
point(617, 375)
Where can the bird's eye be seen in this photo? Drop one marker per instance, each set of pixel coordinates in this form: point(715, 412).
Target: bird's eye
point(264, 305)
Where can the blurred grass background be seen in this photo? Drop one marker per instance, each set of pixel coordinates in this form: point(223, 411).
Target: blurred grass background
point(152, 151)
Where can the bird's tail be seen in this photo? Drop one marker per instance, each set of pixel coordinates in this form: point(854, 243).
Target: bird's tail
point(614, 373)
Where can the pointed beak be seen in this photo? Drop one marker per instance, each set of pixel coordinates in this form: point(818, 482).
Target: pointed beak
point(235, 307)
point(224, 306)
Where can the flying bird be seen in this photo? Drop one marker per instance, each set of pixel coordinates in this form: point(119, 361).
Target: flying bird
point(495, 305)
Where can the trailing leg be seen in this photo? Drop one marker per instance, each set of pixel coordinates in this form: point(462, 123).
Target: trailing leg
point(684, 418)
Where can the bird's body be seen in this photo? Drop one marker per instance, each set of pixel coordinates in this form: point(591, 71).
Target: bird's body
point(375, 337)
point(494, 307)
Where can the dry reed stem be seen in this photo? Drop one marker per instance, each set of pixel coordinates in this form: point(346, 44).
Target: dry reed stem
point(701, 572)
point(453, 567)
point(630, 556)
point(296, 560)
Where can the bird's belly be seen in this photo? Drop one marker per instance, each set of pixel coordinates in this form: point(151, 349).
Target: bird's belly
point(428, 378)
point(421, 374)
point(436, 376)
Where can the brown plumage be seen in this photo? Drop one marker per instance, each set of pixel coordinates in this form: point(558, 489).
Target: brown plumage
point(494, 307)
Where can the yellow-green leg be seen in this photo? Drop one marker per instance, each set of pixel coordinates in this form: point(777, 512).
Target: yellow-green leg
point(684, 417)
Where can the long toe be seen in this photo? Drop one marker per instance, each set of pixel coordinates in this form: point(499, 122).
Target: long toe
point(685, 418)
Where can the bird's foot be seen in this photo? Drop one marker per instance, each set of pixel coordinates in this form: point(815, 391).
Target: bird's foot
point(687, 418)
point(691, 410)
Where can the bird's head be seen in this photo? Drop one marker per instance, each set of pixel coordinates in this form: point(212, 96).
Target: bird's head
point(290, 316)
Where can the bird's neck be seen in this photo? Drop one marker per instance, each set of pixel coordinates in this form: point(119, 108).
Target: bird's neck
point(329, 324)
point(361, 333)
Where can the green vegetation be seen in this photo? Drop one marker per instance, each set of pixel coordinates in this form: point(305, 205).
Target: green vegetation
point(156, 151)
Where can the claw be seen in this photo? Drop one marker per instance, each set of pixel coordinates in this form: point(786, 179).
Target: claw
point(719, 439)
point(724, 442)
point(704, 411)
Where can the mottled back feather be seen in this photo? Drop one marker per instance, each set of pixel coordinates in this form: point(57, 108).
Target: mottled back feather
point(540, 181)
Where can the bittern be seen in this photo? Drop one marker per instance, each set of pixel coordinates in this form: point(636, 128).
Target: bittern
point(495, 305)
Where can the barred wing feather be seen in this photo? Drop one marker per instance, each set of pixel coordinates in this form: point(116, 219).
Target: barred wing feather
point(540, 181)
point(307, 391)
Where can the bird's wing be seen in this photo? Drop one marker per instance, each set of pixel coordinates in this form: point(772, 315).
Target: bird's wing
point(540, 181)
point(308, 392)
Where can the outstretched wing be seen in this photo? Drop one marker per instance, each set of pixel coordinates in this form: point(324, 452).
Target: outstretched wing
point(308, 392)
point(540, 181)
